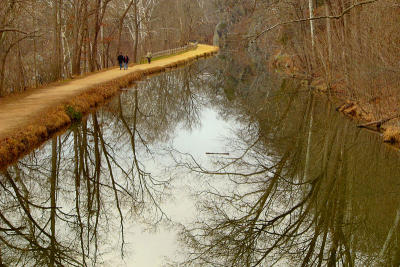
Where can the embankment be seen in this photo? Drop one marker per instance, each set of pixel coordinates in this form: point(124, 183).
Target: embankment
point(28, 120)
point(378, 114)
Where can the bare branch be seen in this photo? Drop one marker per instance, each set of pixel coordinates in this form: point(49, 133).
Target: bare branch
point(344, 12)
point(12, 30)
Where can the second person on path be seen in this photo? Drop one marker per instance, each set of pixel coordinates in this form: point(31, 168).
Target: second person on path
point(149, 56)
point(126, 61)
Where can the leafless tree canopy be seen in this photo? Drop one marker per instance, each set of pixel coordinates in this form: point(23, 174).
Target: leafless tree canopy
point(63, 203)
point(44, 41)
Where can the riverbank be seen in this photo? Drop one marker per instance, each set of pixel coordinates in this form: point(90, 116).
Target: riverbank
point(373, 114)
point(29, 119)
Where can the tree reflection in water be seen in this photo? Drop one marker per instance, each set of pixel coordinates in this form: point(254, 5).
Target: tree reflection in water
point(301, 186)
point(305, 188)
point(65, 204)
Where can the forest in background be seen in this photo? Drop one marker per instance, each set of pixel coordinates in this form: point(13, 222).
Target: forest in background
point(45, 41)
point(346, 47)
point(344, 210)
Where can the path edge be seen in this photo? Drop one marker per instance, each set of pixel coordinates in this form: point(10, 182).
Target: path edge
point(55, 120)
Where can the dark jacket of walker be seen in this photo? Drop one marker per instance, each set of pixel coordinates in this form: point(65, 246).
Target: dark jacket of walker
point(120, 59)
point(126, 59)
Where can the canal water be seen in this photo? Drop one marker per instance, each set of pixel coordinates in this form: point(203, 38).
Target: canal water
point(220, 163)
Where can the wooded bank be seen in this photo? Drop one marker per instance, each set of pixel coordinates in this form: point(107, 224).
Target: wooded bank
point(347, 47)
point(39, 114)
point(42, 41)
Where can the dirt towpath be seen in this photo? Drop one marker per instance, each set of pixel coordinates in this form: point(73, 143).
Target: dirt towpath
point(17, 112)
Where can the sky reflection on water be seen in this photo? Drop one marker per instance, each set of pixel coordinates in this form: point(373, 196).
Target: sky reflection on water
point(301, 186)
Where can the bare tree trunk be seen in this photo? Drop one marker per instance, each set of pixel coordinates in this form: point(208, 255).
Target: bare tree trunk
point(3, 64)
point(21, 76)
point(34, 56)
point(305, 52)
point(86, 47)
point(329, 39)
point(55, 41)
point(390, 234)
point(311, 12)
point(136, 42)
point(57, 59)
point(108, 58)
point(2, 72)
point(60, 45)
point(309, 139)
point(121, 23)
point(97, 22)
point(344, 46)
point(68, 68)
point(96, 190)
point(75, 35)
point(53, 183)
point(80, 15)
point(358, 24)
point(103, 57)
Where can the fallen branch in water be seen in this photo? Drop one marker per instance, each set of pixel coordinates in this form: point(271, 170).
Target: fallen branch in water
point(211, 153)
point(378, 123)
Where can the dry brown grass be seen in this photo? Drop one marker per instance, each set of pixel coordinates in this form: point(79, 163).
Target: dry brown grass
point(373, 109)
point(55, 119)
point(392, 135)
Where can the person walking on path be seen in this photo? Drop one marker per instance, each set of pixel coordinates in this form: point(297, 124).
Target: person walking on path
point(120, 60)
point(149, 56)
point(126, 61)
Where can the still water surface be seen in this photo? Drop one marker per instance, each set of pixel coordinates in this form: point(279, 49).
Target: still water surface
point(289, 182)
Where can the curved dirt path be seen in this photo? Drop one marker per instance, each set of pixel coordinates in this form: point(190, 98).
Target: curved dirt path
point(17, 112)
